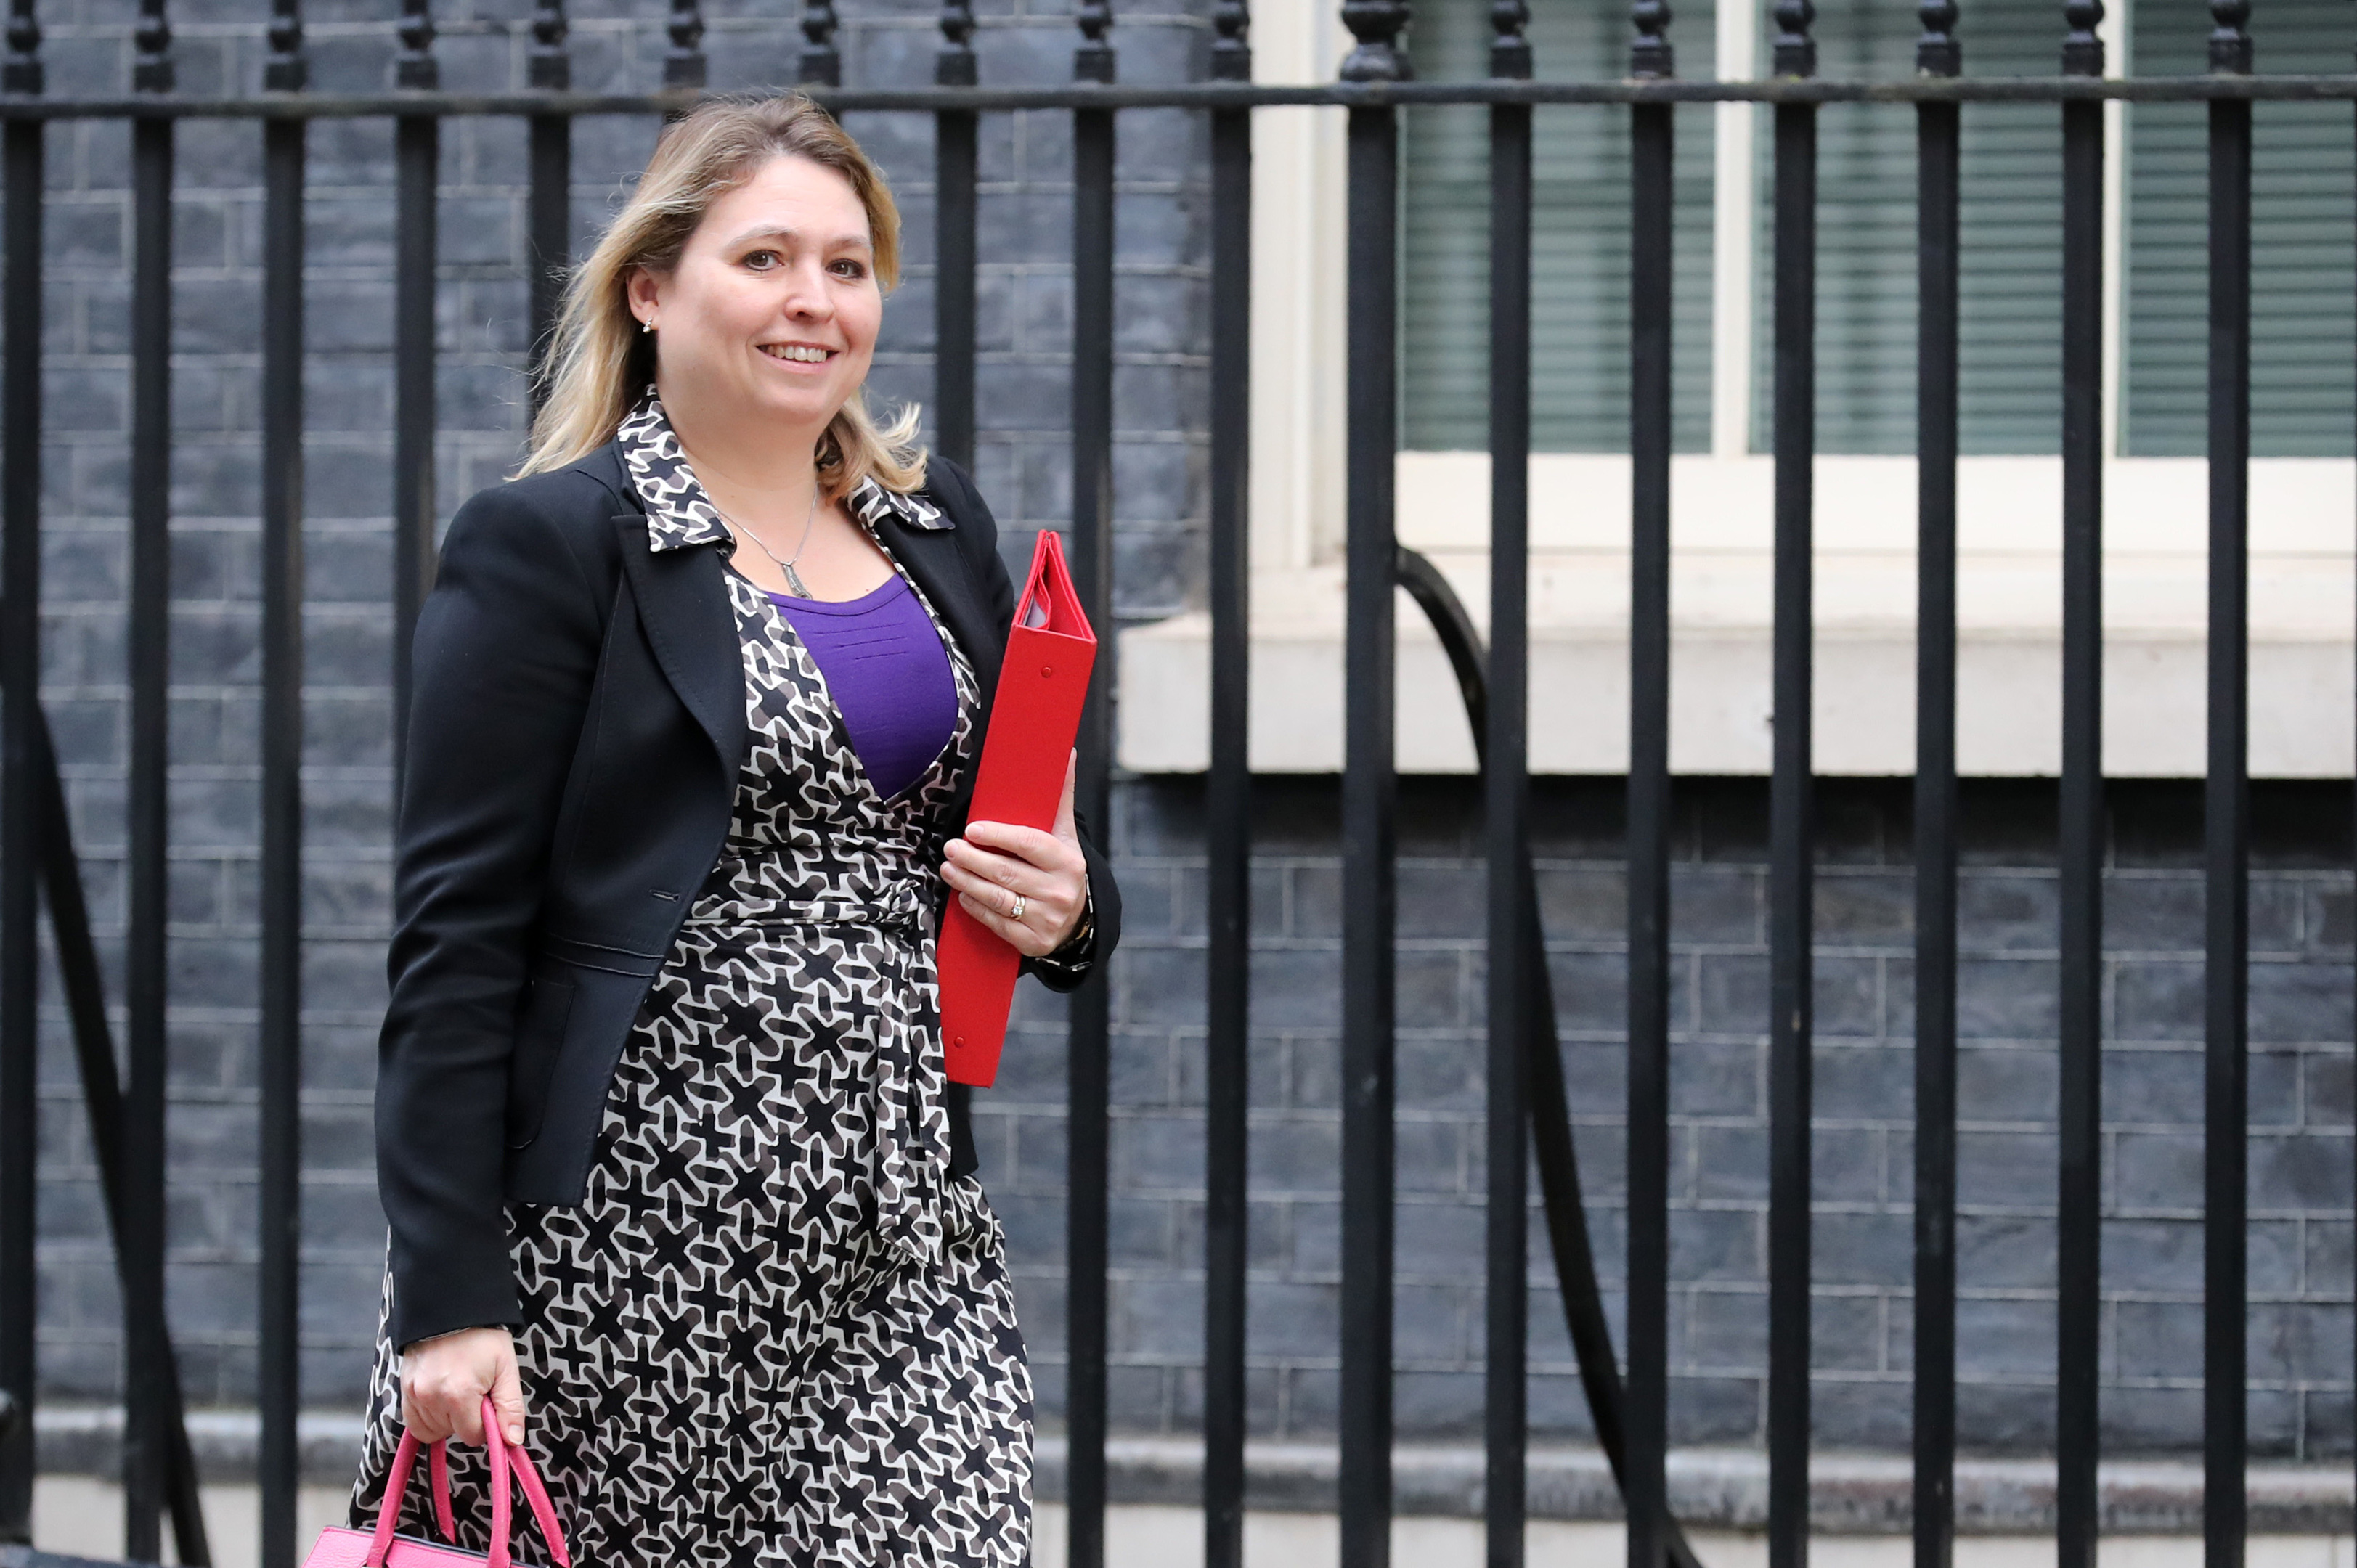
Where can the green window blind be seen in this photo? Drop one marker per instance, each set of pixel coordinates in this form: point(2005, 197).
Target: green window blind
point(2009, 370)
point(2303, 280)
point(1579, 286)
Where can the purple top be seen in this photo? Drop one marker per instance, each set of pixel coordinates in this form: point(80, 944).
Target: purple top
point(888, 674)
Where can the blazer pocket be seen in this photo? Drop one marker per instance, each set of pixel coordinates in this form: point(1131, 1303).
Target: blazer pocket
point(540, 1040)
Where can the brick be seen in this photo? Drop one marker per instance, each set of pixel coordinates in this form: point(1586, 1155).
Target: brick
point(2004, 999)
point(1863, 1249)
point(1851, 1414)
point(1714, 1245)
point(2002, 1084)
point(2156, 1170)
point(2299, 1002)
point(1716, 1410)
point(2152, 1086)
point(1708, 1080)
point(2310, 1172)
point(1580, 903)
point(1852, 909)
point(1846, 1165)
point(1862, 1081)
point(2155, 1338)
point(2156, 1001)
point(2000, 912)
point(1991, 1167)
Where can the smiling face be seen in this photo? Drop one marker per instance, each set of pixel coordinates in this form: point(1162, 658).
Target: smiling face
point(770, 317)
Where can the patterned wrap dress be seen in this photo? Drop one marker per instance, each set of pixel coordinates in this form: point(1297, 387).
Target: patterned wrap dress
point(775, 1331)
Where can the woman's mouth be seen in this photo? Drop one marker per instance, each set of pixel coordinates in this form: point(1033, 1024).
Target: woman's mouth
point(798, 354)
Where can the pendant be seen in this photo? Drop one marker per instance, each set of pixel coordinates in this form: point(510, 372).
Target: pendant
point(794, 582)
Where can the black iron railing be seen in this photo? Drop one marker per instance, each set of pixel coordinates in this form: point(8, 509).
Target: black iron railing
point(1526, 1105)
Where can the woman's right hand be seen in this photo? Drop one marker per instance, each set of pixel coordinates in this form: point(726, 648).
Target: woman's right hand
point(443, 1379)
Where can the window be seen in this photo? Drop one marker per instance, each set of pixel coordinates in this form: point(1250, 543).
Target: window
point(1579, 252)
point(2303, 324)
point(2304, 278)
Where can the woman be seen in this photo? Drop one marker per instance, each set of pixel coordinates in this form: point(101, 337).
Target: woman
point(670, 1167)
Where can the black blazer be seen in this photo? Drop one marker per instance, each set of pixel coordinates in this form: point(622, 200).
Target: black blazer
point(576, 723)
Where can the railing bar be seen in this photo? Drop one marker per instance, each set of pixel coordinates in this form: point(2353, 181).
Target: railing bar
point(1228, 819)
point(1370, 794)
point(2226, 816)
point(148, 894)
point(1506, 792)
point(548, 239)
point(1791, 825)
point(1789, 840)
point(1091, 1025)
point(2281, 87)
point(1938, 218)
point(2079, 1218)
point(955, 155)
point(20, 674)
point(1652, 133)
point(281, 1066)
point(102, 1093)
point(417, 156)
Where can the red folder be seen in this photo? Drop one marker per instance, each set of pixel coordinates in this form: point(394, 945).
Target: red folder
point(1041, 687)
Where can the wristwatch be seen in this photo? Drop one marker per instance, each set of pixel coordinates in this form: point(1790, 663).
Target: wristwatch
point(1079, 950)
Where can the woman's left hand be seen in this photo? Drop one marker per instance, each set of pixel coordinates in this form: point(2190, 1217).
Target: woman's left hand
point(1027, 885)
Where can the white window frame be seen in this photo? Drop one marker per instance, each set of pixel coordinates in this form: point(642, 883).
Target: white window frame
point(2303, 652)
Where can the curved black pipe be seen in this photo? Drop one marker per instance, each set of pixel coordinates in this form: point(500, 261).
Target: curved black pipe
point(1549, 1100)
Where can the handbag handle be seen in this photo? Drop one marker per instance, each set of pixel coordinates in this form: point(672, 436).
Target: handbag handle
point(506, 1459)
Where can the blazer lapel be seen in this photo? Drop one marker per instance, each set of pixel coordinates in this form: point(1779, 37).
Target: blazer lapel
point(683, 605)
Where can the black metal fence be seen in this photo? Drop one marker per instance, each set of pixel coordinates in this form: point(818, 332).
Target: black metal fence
point(1525, 1086)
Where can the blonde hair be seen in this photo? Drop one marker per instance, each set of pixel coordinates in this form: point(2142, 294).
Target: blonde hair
point(601, 362)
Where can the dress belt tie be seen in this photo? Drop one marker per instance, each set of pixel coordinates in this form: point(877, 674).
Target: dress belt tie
point(906, 1091)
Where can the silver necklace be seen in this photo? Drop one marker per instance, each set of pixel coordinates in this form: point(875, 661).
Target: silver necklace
point(794, 583)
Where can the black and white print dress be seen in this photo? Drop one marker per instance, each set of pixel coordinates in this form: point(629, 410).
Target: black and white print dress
point(775, 1331)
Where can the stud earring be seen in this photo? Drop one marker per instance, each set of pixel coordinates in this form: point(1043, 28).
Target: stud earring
point(646, 325)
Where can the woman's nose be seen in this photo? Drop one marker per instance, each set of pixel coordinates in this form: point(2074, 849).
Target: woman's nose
point(808, 298)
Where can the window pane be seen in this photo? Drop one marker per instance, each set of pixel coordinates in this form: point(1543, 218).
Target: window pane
point(2009, 374)
point(2303, 324)
point(1579, 289)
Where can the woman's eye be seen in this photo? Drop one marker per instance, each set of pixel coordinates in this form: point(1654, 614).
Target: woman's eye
point(761, 260)
point(850, 269)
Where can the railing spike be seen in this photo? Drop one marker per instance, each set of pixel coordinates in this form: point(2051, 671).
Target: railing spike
point(414, 66)
point(822, 62)
point(954, 65)
point(2083, 50)
point(22, 71)
point(1231, 41)
point(548, 65)
point(1938, 52)
point(1093, 60)
point(1795, 53)
point(2230, 39)
point(285, 69)
point(1509, 51)
point(683, 63)
point(151, 65)
point(1650, 55)
point(1377, 25)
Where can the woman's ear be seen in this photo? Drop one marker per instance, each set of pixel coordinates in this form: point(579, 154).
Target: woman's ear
point(644, 291)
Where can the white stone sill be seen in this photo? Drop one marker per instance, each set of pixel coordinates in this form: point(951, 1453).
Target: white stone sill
point(2303, 623)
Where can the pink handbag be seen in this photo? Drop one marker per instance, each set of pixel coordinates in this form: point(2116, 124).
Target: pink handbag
point(341, 1547)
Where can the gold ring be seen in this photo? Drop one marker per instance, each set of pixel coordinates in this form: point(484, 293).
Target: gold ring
point(1017, 912)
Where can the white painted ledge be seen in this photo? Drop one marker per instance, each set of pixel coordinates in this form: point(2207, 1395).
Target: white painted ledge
point(2303, 623)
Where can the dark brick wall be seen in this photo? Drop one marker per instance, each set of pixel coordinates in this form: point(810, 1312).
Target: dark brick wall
point(2300, 1113)
point(1023, 460)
